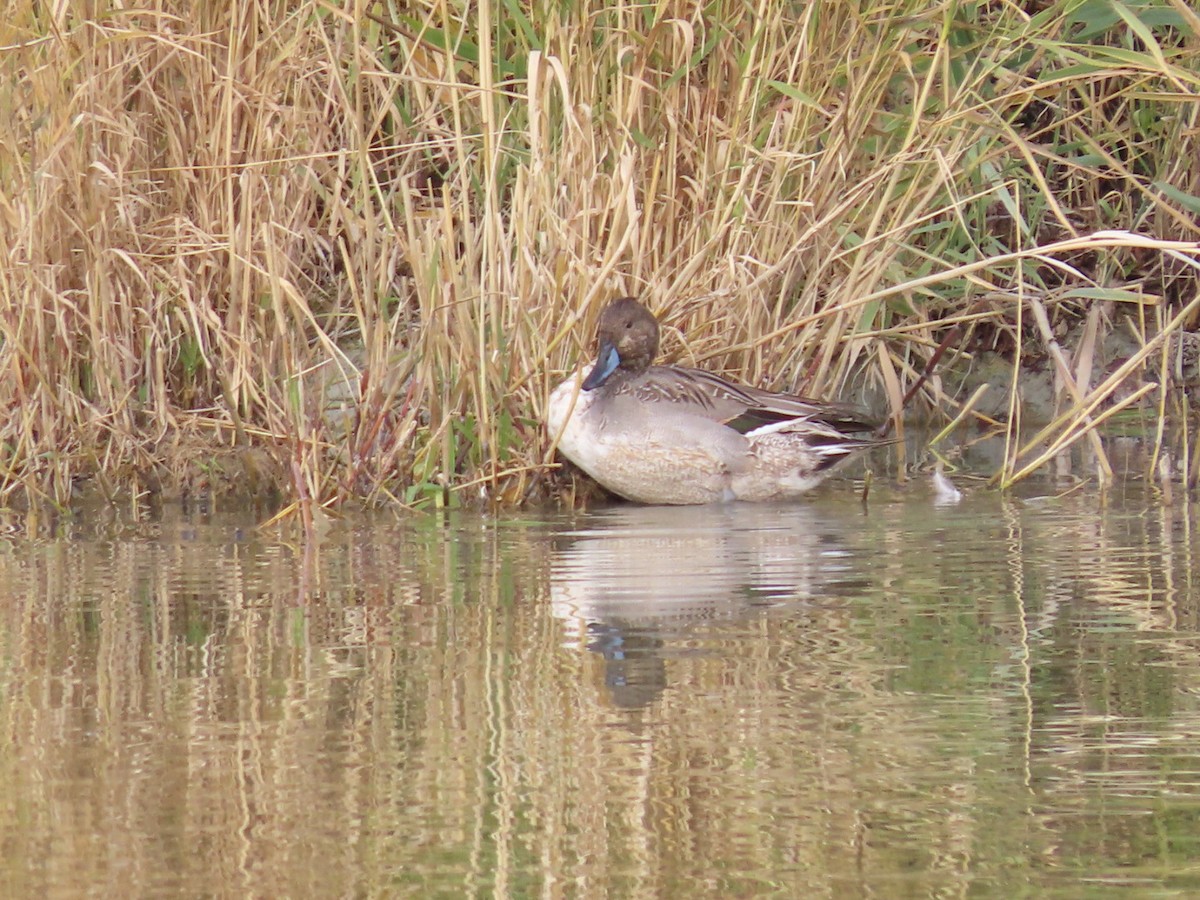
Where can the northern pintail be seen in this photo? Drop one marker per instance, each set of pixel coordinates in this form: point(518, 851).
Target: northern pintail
point(675, 435)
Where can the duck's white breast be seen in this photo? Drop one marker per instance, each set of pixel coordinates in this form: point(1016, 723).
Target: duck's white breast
point(567, 420)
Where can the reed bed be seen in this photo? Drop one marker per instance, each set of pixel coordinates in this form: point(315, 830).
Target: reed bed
point(329, 252)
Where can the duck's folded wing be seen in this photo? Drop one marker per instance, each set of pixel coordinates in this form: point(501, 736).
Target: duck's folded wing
point(741, 407)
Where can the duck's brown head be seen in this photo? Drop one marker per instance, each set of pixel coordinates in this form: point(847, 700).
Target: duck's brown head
point(627, 340)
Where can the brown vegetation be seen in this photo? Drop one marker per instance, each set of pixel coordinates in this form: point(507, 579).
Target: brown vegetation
point(301, 251)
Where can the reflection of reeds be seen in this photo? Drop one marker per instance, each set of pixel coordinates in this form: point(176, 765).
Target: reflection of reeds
point(400, 713)
point(287, 248)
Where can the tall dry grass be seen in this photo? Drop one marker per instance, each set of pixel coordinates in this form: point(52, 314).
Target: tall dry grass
point(333, 251)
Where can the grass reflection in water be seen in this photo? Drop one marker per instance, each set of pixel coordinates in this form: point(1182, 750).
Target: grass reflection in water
point(998, 697)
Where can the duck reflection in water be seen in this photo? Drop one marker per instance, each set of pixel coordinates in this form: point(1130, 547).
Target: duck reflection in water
point(641, 585)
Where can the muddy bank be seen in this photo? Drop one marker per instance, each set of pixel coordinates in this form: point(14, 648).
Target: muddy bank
point(1043, 394)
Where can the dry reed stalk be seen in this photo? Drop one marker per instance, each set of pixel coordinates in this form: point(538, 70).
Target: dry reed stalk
point(222, 220)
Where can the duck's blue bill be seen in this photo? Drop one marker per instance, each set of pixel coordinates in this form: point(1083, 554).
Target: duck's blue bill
point(606, 363)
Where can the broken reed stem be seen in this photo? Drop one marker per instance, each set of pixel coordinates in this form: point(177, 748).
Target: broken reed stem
point(951, 338)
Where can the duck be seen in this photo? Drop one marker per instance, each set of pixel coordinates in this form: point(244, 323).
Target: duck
point(671, 435)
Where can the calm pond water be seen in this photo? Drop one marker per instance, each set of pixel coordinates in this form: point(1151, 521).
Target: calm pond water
point(999, 698)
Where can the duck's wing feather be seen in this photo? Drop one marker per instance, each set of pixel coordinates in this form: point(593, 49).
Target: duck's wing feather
point(741, 407)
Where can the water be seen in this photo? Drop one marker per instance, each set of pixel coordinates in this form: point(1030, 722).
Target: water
point(998, 698)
